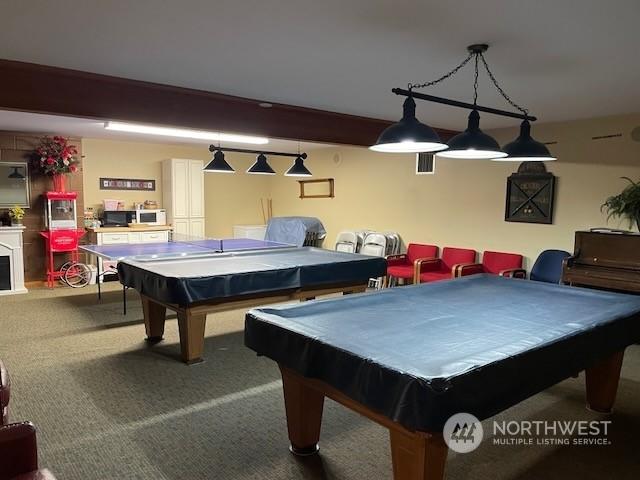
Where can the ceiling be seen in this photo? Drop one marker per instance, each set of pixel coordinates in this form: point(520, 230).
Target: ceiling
point(562, 60)
point(89, 128)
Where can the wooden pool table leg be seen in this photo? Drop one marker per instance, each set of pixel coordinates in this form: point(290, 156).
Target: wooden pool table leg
point(154, 317)
point(191, 327)
point(602, 383)
point(417, 455)
point(303, 406)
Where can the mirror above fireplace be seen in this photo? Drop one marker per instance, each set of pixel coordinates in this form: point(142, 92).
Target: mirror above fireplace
point(14, 184)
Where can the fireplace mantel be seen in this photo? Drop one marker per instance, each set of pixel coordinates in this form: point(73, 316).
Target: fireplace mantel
point(11, 247)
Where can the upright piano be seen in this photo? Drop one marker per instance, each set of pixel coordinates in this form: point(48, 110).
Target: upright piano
point(604, 260)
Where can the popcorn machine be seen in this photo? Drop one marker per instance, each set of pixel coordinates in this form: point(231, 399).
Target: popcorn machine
point(60, 210)
point(62, 236)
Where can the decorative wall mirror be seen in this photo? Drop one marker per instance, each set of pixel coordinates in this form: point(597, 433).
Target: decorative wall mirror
point(14, 184)
point(317, 188)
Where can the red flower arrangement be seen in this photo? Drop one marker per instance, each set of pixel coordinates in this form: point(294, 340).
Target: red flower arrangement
point(54, 156)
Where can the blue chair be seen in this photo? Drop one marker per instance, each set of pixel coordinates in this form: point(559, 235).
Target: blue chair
point(548, 266)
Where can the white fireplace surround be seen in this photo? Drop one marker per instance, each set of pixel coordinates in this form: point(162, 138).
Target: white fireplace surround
point(11, 246)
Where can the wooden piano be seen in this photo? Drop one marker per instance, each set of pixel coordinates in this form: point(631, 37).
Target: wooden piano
point(604, 260)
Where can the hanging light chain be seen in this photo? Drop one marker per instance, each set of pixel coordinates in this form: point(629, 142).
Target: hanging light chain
point(411, 86)
point(475, 81)
point(499, 88)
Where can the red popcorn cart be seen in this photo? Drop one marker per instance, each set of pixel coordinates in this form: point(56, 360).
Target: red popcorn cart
point(63, 236)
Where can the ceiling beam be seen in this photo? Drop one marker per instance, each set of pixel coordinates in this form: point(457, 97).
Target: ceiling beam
point(59, 91)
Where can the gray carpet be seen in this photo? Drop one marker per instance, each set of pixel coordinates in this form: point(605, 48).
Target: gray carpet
point(107, 406)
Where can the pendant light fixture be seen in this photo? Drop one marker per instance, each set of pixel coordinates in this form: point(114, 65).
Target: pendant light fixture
point(218, 164)
point(261, 167)
point(525, 148)
point(473, 142)
point(298, 169)
point(408, 135)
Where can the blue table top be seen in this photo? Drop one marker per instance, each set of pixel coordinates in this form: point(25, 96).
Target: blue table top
point(141, 251)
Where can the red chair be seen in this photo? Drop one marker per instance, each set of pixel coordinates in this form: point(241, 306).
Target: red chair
point(403, 266)
point(18, 448)
point(5, 394)
point(443, 268)
point(495, 263)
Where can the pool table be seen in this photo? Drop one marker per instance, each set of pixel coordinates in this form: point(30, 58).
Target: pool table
point(409, 358)
point(196, 285)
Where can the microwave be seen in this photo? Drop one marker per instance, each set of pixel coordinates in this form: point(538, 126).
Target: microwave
point(118, 218)
point(151, 217)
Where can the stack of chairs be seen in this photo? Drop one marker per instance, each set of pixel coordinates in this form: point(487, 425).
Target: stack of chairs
point(369, 242)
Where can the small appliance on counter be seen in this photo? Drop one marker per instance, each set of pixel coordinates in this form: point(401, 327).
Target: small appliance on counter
point(150, 217)
point(118, 218)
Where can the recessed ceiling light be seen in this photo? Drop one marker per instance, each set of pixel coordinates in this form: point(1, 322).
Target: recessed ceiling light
point(265, 104)
point(184, 133)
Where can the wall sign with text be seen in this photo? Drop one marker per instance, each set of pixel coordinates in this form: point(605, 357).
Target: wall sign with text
point(127, 184)
point(530, 194)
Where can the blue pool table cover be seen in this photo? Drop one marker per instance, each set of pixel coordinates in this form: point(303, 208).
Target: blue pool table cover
point(422, 353)
point(192, 280)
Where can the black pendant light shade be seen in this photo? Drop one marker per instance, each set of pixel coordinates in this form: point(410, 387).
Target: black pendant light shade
point(16, 175)
point(408, 135)
point(298, 169)
point(525, 148)
point(473, 143)
point(219, 164)
point(261, 167)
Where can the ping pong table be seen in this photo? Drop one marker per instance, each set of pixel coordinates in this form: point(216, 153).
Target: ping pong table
point(207, 276)
point(410, 358)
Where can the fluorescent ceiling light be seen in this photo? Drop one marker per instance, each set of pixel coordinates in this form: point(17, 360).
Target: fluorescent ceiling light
point(184, 133)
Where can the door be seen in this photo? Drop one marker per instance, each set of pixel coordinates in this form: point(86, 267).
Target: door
point(196, 190)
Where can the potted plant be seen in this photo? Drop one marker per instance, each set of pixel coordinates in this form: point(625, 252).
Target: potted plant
point(626, 204)
point(17, 214)
point(56, 158)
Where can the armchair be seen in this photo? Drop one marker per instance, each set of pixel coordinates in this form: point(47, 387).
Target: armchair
point(402, 266)
point(5, 391)
point(495, 263)
point(443, 268)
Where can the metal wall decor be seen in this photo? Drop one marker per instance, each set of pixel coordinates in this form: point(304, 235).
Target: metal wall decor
point(127, 184)
point(530, 194)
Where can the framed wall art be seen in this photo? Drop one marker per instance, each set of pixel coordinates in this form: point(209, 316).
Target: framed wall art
point(530, 194)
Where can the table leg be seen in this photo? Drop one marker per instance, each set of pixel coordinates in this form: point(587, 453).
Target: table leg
point(417, 456)
point(191, 329)
point(124, 300)
point(98, 278)
point(303, 406)
point(154, 317)
point(602, 383)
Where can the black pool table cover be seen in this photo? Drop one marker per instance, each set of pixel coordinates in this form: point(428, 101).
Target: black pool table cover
point(190, 280)
point(422, 353)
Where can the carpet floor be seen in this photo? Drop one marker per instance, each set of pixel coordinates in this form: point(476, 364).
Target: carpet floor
point(108, 406)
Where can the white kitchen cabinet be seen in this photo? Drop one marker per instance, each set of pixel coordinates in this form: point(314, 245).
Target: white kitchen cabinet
point(183, 196)
point(196, 227)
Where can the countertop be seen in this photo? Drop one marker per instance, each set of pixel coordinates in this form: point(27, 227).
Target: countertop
point(147, 228)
